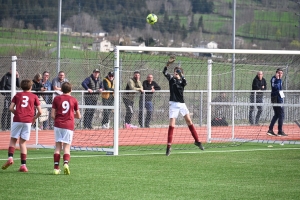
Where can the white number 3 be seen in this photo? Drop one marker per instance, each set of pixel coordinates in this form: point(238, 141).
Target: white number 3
point(25, 101)
point(66, 106)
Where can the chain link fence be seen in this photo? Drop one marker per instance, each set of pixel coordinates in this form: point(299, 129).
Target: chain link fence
point(195, 70)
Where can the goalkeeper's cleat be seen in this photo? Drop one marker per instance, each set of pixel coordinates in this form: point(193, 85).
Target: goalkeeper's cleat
point(66, 169)
point(271, 133)
point(56, 171)
point(23, 168)
point(168, 152)
point(199, 144)
point(8, 163)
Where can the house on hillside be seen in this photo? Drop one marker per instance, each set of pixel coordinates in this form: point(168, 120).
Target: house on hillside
point(212, 45)
point(205, 45)
point(65, 29)
point(99, 34)
point(102, 45)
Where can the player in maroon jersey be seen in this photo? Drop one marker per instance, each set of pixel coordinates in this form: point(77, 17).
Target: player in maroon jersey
point(23, 107)
point(64, 110)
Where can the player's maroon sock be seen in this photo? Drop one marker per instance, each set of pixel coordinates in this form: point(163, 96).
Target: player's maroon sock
point(66, 158)
point(11, 151)
point(56, 158)
point(23, 158)
point(170, 136)
point(194, 132)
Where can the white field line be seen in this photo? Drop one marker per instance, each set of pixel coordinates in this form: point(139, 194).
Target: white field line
point(173, 153)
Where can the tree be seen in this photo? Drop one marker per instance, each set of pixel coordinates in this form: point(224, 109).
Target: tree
point(192, 24)
point(162, 9)
point(184, 32)
point(200, 22)
point(149, 42)
point(202, 6)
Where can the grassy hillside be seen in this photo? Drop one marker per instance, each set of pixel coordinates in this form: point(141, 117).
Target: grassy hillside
point(274, 24)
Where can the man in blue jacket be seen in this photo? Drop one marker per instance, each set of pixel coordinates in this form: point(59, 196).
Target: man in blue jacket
point(94, 86)
point(277, 97)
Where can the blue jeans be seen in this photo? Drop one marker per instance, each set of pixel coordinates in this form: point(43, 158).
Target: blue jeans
point(149, 108)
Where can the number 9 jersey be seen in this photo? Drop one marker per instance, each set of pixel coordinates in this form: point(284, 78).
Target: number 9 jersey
point(64, 106)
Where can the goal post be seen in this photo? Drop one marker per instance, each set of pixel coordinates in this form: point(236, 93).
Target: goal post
point(269, 54)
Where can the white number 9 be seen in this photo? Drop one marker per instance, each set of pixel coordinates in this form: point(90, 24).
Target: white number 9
point(66, 106)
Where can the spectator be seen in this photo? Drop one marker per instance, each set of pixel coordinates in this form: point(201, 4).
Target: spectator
point(5, 84)
point(107, 98)
point(259, 83)
point(38, 86)
point(128, 99)
point(177, 82)
point(277, 97)
point(93, 85)
point(64, 110)
point(151, 85)
point(47, 124)
point(58, 81)
point(23, 107)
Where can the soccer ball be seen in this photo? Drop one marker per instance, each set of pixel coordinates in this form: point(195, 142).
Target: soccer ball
point(151, 19)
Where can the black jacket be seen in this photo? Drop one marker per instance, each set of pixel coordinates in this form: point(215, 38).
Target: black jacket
point(5, 83)
point(257, 85)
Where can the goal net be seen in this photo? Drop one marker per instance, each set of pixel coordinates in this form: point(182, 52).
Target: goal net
point(219, 96)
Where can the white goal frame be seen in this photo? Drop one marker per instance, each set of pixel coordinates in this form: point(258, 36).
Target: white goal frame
point(209, 80)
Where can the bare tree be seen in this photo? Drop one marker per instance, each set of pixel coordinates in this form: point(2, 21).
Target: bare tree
point(48, 23)
point(83, 23)
point(30, 26)
point(8, 22)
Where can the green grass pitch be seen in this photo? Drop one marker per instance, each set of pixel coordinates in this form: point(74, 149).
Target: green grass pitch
point(249, 171)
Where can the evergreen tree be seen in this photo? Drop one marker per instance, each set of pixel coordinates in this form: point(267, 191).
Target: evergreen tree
point(184, 32)
point(200, 22)
point(192, 24)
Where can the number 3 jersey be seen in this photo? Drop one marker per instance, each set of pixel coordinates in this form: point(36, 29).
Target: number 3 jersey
point(25, 103)
point(64, 106)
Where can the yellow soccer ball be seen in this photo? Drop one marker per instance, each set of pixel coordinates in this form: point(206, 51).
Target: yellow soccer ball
point(151, 19)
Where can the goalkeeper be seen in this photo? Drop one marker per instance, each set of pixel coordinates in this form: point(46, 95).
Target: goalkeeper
point(177, 82)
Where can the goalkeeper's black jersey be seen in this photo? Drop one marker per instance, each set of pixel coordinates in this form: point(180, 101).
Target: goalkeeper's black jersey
point(176, 87)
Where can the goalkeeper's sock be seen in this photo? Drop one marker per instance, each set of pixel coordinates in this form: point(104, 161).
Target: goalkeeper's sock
point(194, 132)
point(11, 151)
point(66, 158)
point(170, 135)
point(23, 158)
point(56, 158)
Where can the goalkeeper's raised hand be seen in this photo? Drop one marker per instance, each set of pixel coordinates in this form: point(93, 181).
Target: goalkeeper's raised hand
point(171, 60)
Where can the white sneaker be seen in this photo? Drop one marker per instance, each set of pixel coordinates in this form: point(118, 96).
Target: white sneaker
point(33, 129)
point(105, 126)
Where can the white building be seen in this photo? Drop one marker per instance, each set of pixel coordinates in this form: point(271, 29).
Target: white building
point(212, 45)
point(102, 46)
point(65, 29)
point(99, 34)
